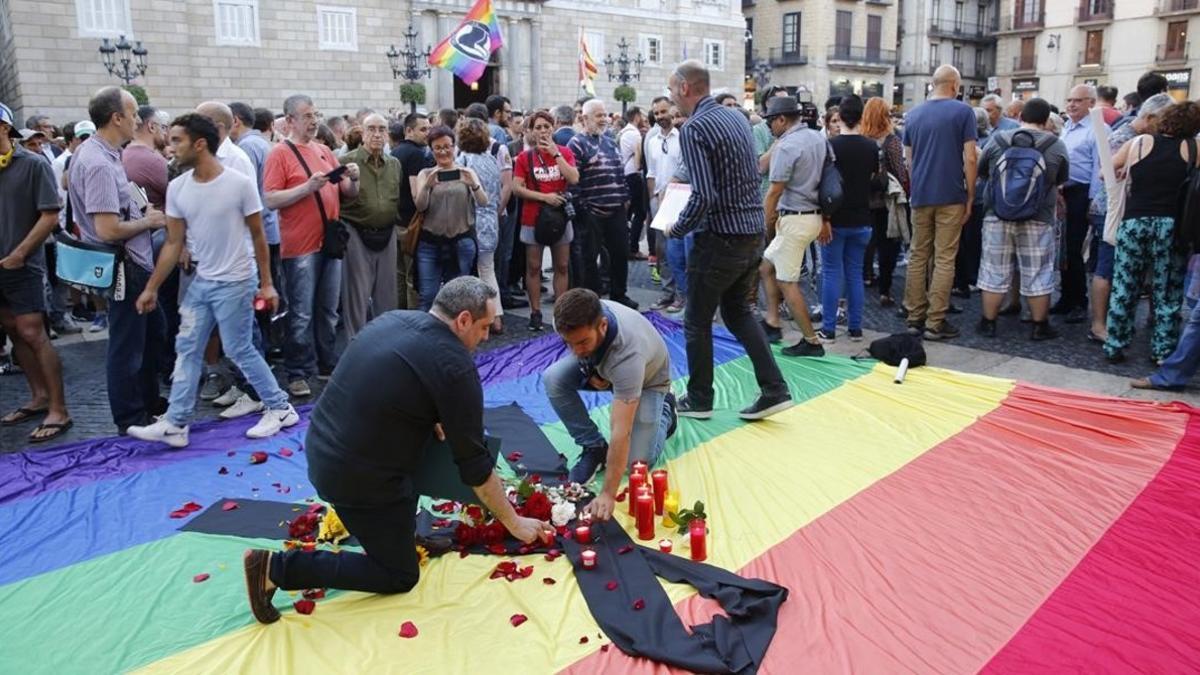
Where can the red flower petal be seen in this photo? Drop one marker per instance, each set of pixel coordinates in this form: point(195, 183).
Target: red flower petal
point(548, 581)
point(284, 452)
point(612, 586)
point(463, 553)
point(179, 513)
point(526, 572)
point(517, 619)
point(583, 640)
point(258, 457)
point(534, 479)
point(229, 506)
point(621, 495)
point(625, 549)
point(222, 471)
point(304, 606)
point(497, 549)
point(200, 577)
point(603, 648)
point(408, 629)
point(314, 594)
point(515, 456)
point(639, 604)
point(553, 554)
point(191, 507)
point(441, 522)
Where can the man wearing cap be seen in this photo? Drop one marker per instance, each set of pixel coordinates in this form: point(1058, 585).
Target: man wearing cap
point(33, 140)
point(74, 135)
point(28, 213)
point(793, 219)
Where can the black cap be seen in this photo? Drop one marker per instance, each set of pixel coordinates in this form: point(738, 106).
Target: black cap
point(781, 105)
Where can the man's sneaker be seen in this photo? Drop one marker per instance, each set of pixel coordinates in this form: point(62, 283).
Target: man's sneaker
point(513, 302)
point(8, 366)
point(945, 331)
point(815, 313)
point(684, 408)
point(841, 316)
point(627, 301)
point(213, 386)
point(256, 565)
point(766, 406)
point(671, 405)
point(678, 306)
point(804, 348)
point(66, 326)
point(986, 327)
point(230, 397)
point(774, 333)
point(535, 321)
point(299, 388)
point(589, 461)
point(913, 328)
point(161, 431)
point(856, 335)
point(826, 335)
point(272, 422)
point(1042, 330)
point(243, 406)
point(100, 323)
point(664, 302)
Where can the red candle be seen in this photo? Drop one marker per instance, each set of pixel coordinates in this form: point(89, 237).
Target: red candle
point(640, 467)
point(636, 481)
point(583, 534)
point(659, 478)
point(645, 516)
point(699, 534)
point(589, 559)
point(664, 545)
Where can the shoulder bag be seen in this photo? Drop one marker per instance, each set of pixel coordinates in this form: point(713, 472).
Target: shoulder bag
point(551, 222)
point(333, 243)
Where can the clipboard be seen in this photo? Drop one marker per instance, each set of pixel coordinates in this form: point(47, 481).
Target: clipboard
point(670, 206)
point(438, 477)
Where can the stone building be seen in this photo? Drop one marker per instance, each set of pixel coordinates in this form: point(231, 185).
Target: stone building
point(828, 47)
point(260, 51)
point(935, 32)
point(1045, 47)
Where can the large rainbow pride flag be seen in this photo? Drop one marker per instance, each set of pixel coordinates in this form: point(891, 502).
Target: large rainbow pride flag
point(951, 524)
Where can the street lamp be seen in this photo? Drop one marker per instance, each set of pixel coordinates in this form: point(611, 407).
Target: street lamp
point(762, 72)
point(411, 64)
point(624, 70)
point(124, 67)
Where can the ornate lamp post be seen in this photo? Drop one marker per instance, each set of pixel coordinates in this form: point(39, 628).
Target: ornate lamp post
point(624, 70)
point(410, 64)
point(762, 72)
point(126, 61)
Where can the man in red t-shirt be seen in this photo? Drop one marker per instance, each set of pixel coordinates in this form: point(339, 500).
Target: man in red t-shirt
point(541, 177)
point(1106, 100)
point(312, 280)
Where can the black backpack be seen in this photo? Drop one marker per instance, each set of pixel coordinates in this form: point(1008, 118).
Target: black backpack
point(894, 348)
point(1187, 222)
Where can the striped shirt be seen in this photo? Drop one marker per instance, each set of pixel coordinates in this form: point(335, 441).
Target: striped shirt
point(601, 186)
point(98, 184)
point(718, 149)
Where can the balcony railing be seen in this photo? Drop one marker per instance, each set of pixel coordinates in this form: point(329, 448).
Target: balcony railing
point(1172, 53)
point(1091, 61)
point(1093, 11)
point(869, 56)
point(1025, 63)
point(1025, 21)
point(1177, 7)
point(789, 57)
point(961, 30)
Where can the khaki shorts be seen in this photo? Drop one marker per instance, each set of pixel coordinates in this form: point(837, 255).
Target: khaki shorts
point(786, 251)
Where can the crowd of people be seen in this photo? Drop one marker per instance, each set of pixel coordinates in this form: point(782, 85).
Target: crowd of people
point(242, 236)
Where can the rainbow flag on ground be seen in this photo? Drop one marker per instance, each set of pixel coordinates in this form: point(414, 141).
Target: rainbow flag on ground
point(467, 50)
point(587, 66)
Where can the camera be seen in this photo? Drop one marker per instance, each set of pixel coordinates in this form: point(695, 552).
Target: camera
point(569, 208)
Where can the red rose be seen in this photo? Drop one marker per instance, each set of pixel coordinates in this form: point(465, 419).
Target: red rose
point(493, 533)
point(466, 535)
point(537, 506)
point(475, 513)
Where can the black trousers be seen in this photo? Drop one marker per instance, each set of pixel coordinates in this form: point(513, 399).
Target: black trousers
point(721, 271)
point(638, 206)
point(970, 250)
point(594, 232)
point(887, 249)
point(389, 563)
point(1074, 278)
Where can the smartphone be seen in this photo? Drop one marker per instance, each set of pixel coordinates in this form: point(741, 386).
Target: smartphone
point(447, 176)
point(336, 175)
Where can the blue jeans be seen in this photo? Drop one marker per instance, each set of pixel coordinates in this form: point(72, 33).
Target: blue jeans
point(563, 382)
point(314, 286)
point(229, 305)
point(442, 261)
point(842, 272)
point(678, 251)
point(1183, 363)
point(135, 348)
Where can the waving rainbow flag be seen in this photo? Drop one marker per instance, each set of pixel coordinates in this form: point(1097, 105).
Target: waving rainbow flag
point(467, 50)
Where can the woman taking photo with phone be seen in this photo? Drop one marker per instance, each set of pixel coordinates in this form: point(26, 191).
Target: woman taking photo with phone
point(447, 194)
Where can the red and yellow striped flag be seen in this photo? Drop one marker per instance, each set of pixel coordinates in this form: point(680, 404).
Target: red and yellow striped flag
point(587, 66)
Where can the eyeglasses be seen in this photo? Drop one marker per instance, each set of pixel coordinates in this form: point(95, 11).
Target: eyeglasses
point(376, 130)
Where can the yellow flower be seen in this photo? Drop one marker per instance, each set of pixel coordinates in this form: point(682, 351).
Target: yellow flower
point(422, 555)
point(332, 529)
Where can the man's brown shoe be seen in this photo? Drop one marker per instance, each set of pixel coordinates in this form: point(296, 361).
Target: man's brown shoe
point(256, 564)
point(1142, 383)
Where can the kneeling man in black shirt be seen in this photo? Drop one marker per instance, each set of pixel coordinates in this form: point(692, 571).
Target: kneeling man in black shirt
point(406, 376)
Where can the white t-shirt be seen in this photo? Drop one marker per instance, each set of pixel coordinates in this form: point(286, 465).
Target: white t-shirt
point(232, 157)
point(215, 216)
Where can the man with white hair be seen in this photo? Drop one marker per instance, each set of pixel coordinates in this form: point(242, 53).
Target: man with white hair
point(1080, 140)
point(994, 106)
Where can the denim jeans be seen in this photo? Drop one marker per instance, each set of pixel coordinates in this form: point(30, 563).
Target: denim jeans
point(563, 382)
point(678, 251)
point(438, 262)
point(135, 348)
point(720, 272)
point(314, 284)
point(229, 305)
point(842, 274)
point(1182, 364)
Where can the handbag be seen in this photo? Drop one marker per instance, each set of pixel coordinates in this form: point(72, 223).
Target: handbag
point(830, 191)
point(376, 238)
point(333, 243)
point(551, 222)
point(412, 236)
point(98, 269)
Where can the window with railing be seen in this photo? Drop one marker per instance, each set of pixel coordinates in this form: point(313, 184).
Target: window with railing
point(791, 33)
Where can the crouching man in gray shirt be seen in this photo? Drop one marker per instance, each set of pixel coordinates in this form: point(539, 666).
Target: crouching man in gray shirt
point(613, 347)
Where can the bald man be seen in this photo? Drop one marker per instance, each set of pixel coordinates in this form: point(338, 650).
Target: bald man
point(228, 153)
point(939, 144)
point(1080, 140)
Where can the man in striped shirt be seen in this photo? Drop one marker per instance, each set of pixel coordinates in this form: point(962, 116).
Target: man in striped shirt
point(718, 150)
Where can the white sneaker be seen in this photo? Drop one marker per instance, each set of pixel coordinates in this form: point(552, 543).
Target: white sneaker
point(231, 396)
point(272, 422)
point(161, 431)
point(242, 407)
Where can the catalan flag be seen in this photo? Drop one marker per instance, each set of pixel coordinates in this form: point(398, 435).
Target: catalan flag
point(468, 49)
point(587, 66)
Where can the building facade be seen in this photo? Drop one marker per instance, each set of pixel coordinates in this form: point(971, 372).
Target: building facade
point(1046, 47)
point(261, 51)
point(827, 47)
point(961, 33)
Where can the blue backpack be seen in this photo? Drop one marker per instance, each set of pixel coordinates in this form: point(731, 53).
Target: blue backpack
point(1019, 182)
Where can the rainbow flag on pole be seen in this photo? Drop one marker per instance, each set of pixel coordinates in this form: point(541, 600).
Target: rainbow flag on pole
point(468, 49)
point(587, 66)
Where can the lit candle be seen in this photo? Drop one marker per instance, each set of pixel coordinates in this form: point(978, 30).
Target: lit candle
point(583, 534)
point(645, 516)
point(636, 480)
point(699, 533)
point(659, 478)
point(670, 505)
point(664, 545)
point(640, 467)
point(589, 559)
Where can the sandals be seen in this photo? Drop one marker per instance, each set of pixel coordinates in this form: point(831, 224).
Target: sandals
point(58, 428)
point(23, 416)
